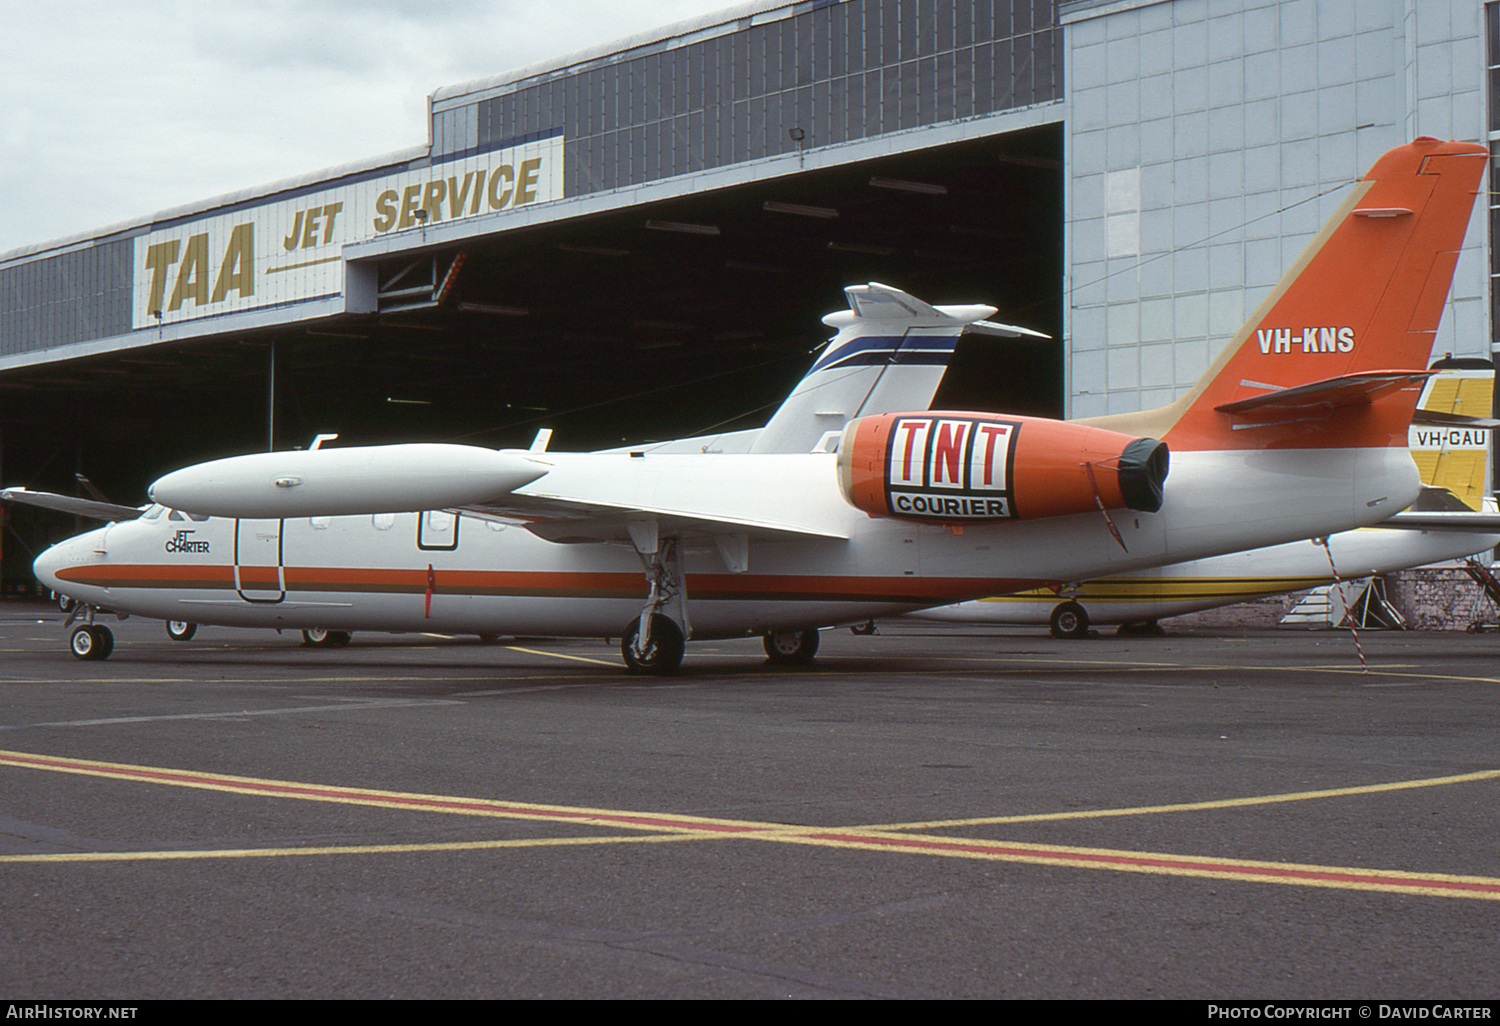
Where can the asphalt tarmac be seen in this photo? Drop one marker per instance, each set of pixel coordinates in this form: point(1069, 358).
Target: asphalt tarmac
point(929, 812)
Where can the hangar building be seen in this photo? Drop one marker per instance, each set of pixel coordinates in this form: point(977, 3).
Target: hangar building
point(637, 241)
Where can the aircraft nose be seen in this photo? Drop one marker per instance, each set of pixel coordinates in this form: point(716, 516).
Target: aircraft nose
point(49, 563)
point(59, 557)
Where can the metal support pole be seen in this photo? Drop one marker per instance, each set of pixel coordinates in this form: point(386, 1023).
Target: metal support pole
point(271, 403)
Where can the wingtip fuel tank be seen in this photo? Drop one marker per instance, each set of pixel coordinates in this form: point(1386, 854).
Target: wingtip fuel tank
point(348, 481)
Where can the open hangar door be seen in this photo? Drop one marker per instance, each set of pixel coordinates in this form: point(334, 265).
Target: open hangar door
point(690, 315)
point(699, 313)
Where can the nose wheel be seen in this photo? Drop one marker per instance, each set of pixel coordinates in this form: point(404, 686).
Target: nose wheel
point(92, 642)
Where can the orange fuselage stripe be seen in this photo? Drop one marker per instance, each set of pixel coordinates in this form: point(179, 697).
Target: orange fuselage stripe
point(722, 587)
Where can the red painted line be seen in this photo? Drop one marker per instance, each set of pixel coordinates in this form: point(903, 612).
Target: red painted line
point(1125, 861)
point(377, 798)
point(1185, 864)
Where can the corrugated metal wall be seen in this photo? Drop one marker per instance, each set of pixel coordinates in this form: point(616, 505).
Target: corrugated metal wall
point(835, 73)
point(72, 297)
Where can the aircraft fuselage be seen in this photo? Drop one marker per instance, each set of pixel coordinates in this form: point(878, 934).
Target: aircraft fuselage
point(442, 572)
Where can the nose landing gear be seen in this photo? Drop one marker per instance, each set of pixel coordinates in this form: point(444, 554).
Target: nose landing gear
point(92, 641)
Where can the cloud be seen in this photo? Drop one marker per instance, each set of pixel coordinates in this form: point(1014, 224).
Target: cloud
point(112, 111)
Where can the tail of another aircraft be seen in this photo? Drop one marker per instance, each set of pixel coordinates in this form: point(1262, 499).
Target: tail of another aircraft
point(1335, 355)
point(1450, 434)
point(890, 353)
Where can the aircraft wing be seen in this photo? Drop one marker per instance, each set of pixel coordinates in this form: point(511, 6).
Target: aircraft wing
point(1471, 522)
point(588, 497)
point(1438, 509)
point(92, 508)
point(571, 522)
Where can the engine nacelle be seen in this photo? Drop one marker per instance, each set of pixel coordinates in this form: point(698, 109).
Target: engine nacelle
point(956, 468)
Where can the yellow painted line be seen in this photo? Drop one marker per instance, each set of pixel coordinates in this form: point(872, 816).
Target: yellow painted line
point(382, 799)
point(1221, 803)
point(670, 826)
point(1001, 664)
point(612, 664)
point(1442, 885)
point(345, 849)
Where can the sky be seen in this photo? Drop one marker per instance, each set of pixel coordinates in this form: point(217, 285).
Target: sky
point(113, 110)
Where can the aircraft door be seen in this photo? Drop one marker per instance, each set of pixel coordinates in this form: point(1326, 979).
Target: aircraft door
point(257, 560)
point(437, 530)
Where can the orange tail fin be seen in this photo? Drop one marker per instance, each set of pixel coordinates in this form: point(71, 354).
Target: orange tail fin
point(1335, 355)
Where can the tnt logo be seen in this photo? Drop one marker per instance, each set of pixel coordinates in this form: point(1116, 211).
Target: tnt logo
point(950, 467)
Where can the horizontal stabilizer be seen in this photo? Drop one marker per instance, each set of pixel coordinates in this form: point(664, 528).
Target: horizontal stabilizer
point(877, 302)
point(1331, 393)
point(1437, 418)
point(95, 509)
point(1001, 330)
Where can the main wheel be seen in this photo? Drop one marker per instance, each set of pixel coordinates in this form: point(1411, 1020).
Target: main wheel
point(318, 637)
point(791, 647)
point(663, 654)
point(181, 630)
point(92, 642)
point(1069, 620)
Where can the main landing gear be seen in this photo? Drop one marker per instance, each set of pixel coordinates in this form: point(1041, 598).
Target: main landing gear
point(1069, 620)
point(654, 641)
point(661, 651)
point(317, 637)
point(181, 630)
point(791, 648)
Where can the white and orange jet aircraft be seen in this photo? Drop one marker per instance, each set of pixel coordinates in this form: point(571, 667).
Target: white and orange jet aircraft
point(1298, 430)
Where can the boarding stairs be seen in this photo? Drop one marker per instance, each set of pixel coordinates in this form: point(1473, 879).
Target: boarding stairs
point(1483, 576)
point(1356, 603)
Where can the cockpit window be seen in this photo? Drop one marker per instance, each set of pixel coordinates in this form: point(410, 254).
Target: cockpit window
point(153, 512)
point(173, 515)
point(197, 518)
